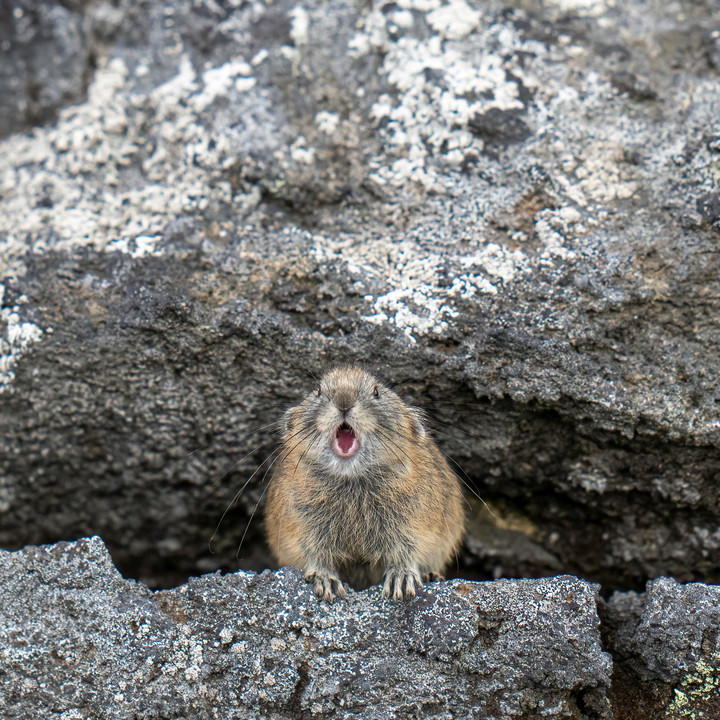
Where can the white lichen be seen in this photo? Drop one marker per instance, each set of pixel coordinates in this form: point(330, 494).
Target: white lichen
point(416, 297)
point(299, 26)
point(301, 153)
point(140, 246)
point(454, 20)
point(163, 133)
point(14, 342)
point(439, 87)
point(594, 8)
point(327, 122)
point(217, 82)
point(415, 311)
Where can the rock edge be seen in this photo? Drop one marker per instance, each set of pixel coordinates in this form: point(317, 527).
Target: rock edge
point(79, 641)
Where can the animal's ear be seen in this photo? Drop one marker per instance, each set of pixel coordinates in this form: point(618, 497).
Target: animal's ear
point(288, 419)
point(417, 420)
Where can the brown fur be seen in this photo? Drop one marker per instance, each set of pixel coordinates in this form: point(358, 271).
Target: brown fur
point(392, 511)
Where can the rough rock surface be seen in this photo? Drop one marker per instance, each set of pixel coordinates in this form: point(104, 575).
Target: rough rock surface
point(512, 207)
point(45, 61)
point(666, 647)
point(79, 641)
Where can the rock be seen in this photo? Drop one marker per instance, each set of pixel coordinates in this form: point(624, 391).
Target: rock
point(666, 648)
point(635, 87)
point(77, 640)
point(708, 206)
point(499, 126)
point(456, 197)
point(46, 61)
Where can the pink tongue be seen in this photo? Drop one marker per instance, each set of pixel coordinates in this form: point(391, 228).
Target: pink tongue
point(345, 439)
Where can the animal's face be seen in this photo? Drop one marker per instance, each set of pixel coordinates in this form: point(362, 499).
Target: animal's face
point(352, 425)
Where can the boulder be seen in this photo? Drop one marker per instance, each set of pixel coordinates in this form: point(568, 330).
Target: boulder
point(78, 641)
point(666, 648)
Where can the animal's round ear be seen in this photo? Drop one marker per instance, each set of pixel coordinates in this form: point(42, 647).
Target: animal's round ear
point(288, 419)
point(417, 418)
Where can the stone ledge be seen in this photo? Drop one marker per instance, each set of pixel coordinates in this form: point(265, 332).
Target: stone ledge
point(80, 641)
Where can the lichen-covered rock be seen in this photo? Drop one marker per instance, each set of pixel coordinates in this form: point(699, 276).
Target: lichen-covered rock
point(512, 209)
point(666, 647)
point(79, 641)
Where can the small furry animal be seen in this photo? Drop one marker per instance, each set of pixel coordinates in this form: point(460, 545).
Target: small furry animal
point(361, 492)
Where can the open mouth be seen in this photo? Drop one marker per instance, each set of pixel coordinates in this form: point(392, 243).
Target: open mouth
point(345, 444)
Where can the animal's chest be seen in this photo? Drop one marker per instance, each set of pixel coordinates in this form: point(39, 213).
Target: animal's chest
point(355, 525)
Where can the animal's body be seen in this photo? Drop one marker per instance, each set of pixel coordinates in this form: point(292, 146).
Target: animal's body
point(361, 492)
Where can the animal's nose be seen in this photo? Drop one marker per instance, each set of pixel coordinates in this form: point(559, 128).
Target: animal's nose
point(344, 402)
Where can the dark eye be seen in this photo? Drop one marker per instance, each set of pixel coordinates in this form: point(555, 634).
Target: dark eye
point(319, 392)
point(375, 392)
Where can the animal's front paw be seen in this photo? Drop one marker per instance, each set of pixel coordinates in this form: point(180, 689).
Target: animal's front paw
point(401, 583)
point(326, 586)
point(432, 577)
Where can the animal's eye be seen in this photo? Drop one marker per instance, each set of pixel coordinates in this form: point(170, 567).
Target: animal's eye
point(319, 392)
point(375, 392)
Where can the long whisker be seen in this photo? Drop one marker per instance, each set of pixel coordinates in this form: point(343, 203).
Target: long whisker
point(467, 483)
point(400, 383)
point(385, 437)
point(383, 434)
point(437, 431)
point(277, 452)
point(234, 465)
point(431, 421)
point(308, 432)
point(461, 480)
point(247, 527)
point(235, 499)
point(303, 454)
point(386, 440)
point(246, 435)
point(425, 402)
point(434, 422)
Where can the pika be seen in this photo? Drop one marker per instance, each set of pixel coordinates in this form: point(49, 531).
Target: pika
point(361, 492)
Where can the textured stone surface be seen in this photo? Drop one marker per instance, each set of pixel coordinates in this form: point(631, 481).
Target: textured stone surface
point(514, 208)
point(78, 641)
point(666, 647)
point(45, 61)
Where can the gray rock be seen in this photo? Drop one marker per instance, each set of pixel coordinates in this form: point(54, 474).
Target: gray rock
point(45, 61)
point(666, 647)
point(79, 641)
point(511, 209)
